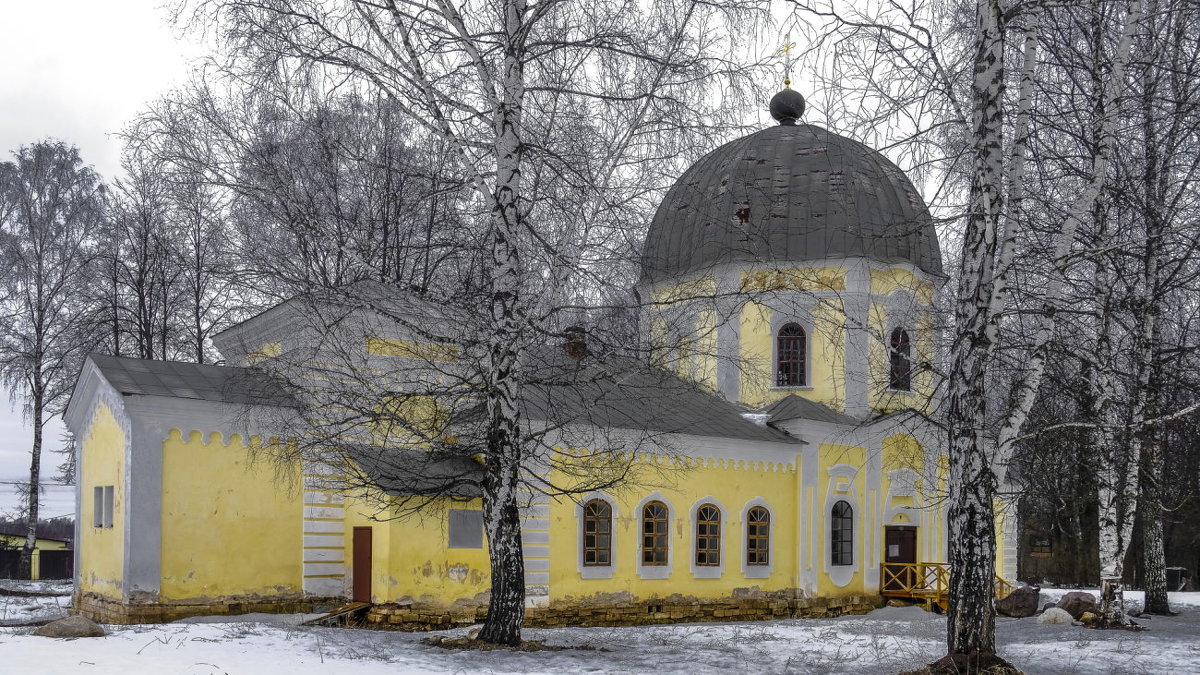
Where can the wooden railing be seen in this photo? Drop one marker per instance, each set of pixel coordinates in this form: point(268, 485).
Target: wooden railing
point(925, 582)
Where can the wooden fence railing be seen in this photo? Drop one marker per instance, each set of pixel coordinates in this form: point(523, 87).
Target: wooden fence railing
point(925, 581)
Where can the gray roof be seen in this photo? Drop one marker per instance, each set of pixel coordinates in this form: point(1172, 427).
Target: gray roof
point(794, 406)
point(627, 393)
point(202, 382)
point(805, 194)
point(412, 472)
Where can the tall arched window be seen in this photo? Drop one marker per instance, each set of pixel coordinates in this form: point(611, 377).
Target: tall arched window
point(900, 373)
point(758, 536)
point(842, 540)
point(597, 533)
point(791, 348)
point(708, 536)
point(654, 534)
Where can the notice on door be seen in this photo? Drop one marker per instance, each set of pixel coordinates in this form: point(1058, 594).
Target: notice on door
point(893, 550)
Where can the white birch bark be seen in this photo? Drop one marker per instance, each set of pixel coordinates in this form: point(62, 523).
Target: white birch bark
point(970, 516)
point(1081, 208)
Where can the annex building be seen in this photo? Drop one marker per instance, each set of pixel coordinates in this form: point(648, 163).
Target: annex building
point(791, 275)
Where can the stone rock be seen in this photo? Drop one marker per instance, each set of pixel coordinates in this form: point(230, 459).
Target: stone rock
point(1078, 602)
point(71, 627)
point(896, 602)
point(1055, 615)
point(1048, 605)
point(1089, 617)
point(473, 634)
point(1020, 603)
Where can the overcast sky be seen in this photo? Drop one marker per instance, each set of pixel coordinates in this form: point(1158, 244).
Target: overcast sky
point(76, 70)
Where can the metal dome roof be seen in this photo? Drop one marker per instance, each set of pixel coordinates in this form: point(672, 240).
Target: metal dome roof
point(789, 194)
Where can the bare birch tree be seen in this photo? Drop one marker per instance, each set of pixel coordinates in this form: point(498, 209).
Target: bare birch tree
point(532, 98)
point(52, 205)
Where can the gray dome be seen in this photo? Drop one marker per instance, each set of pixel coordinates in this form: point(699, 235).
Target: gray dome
point(789, 194)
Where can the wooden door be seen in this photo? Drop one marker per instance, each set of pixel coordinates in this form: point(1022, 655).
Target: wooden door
point(362, 564)
point(900, 546)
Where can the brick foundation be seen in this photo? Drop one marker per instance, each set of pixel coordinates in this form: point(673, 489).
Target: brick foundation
point(106, 610)
point(674, 609)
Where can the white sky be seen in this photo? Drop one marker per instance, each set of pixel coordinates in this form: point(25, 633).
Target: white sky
point(78, 71)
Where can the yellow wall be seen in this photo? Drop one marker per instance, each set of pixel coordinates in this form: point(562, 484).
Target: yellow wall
point(425, 351)
point(703, 288)
point(101, 563)
point(882, 398)
point(733, 486)
point(267, 351)
point(794, 279)
point(17, 542)
point(705, 358)
point(410, 558)
point(886, 282)
point(230, 526)
point(826, 351)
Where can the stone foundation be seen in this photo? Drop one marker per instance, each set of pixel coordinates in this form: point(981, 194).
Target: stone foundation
point(106, 610)
point(674, 609)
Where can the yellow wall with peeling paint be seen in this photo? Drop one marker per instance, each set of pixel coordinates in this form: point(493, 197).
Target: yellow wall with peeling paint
point(102, 559)
point(410, 557)
point(231, 523)
point(730, 485)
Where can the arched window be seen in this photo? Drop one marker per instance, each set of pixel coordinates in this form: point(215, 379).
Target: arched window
point(654, 534)
point(900, 373)
point(597, 533)
point(758, 536)
point(843, 534)
point(791, 348)
point(708, 536)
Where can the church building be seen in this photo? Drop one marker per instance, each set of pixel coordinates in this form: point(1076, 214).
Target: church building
point(788, 280)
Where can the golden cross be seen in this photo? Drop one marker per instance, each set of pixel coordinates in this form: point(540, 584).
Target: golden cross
point(786, 52)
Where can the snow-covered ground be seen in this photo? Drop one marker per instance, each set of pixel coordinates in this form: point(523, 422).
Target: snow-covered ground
point(885, 641)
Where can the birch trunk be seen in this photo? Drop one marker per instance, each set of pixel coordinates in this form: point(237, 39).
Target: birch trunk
point(1115, 460)
point(25, 563)
point(1147, 342)
point(506, 608)
point(971, 516)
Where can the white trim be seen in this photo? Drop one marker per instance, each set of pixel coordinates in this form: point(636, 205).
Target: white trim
point(597, 571)
point(758, 571)
point(654, 571)
point(708, 571)
point(836, 490)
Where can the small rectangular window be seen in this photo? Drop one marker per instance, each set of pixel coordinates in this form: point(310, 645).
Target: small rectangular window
point(98, 506)
point(466, 528)
point(108, 506)
point(102, 506)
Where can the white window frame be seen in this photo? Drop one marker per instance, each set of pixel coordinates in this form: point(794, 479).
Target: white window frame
point(599, 571)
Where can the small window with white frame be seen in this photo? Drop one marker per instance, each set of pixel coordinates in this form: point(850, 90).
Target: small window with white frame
point(102, 506)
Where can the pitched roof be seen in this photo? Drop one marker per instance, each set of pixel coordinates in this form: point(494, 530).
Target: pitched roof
point(412, 472)
point(627, 393)
point(203, 382)
point(794, 406)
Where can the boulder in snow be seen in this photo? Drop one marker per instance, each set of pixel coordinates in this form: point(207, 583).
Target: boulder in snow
point(1055, 615)
point(71, 627)
point(1020, 603)
point(1078, 602)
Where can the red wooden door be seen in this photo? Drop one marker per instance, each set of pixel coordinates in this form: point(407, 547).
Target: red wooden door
point(362, 564)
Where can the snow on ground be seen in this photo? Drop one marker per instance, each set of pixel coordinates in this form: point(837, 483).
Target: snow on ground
point(885, 641)
point(23, 608)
